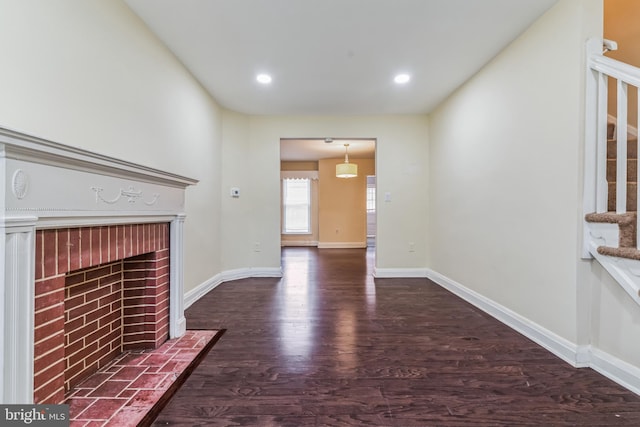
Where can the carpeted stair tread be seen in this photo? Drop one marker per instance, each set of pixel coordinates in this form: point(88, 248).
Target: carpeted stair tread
point(612, 218)
point(628, 253)
point(626, 224)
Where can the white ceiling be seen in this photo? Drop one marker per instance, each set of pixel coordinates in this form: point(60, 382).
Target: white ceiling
point(335, 57)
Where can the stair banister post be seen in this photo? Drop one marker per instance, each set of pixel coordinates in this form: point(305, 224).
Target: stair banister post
point(595, 148)
point(594, 191)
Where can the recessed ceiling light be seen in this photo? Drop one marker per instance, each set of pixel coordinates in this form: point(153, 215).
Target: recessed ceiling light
point(263, 78)
point(402, 78)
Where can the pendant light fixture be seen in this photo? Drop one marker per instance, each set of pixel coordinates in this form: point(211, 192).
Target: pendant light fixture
point(346, 169)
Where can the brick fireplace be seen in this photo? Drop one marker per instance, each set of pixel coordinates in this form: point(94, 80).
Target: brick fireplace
point(92, 264)
point(99, 291)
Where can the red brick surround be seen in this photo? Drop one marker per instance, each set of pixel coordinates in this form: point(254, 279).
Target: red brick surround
point(130, 262)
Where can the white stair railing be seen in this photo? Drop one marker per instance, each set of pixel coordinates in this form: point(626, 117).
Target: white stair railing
point(599, 69)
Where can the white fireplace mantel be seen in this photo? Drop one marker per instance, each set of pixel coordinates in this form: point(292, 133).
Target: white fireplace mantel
point(50, 185)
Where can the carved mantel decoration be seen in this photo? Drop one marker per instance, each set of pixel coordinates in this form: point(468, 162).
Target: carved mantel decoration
point(47, 185)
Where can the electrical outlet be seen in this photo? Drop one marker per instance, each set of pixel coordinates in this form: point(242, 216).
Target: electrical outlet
point(256, 247)
point(412, 247)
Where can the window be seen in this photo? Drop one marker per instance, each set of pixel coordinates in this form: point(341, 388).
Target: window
point(371, 199)
point(296, 200)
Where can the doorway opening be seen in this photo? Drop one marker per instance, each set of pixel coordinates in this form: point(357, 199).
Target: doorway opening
point(320, 209)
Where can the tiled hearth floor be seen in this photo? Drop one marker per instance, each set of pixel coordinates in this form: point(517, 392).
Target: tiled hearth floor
point(132, 390)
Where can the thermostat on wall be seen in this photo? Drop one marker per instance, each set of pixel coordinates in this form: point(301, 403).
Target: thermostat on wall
point(235, 192)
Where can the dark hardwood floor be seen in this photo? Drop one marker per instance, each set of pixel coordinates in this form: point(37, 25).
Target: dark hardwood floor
point(327, 345)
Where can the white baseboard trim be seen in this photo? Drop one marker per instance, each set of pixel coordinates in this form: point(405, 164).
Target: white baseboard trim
point(244, 273)
point(226, 276)
point(284, 243)
point(341, 245)
point(615, 369)
point(201, 290)
point(557, 345)
point(392, 273)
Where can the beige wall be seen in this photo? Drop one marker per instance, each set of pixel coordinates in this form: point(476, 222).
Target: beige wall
point(238, 215)
point(505, 173)
point(621, 19)
point(253, 159)
point(505, 191)
point(90, 74)
point(299, 166)
point(343, 204)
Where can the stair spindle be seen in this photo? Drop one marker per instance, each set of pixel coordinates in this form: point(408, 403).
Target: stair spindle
point(602, 186)
point(621, 157)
